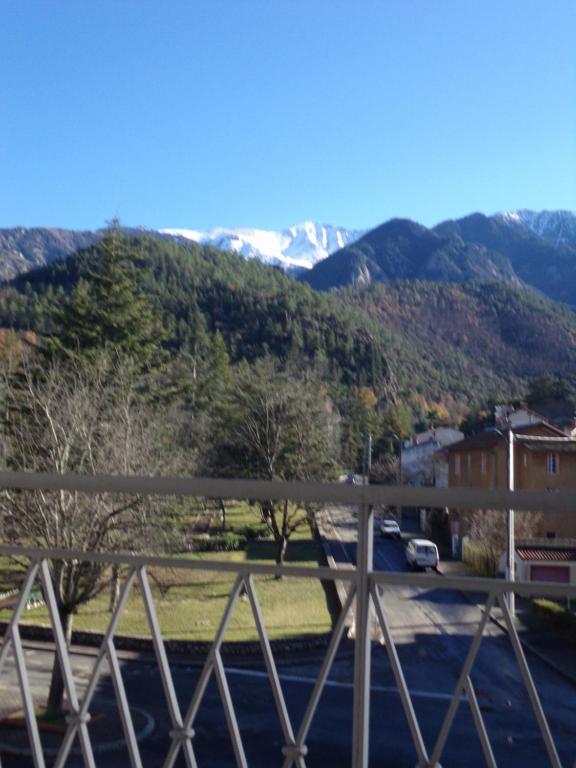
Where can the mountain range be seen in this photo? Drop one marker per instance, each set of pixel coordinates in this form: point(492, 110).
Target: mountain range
point(524, 248)
point(295, 248)
point(451, 343)
point(558, 227)
point(23, 249)
point(536, 251)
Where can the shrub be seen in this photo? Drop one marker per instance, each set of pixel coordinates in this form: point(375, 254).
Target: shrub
point(480, 558)
point(223, 542)
point(558, 616)
point(254, 532)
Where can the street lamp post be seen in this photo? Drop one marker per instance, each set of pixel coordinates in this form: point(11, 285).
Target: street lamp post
point(399, 469)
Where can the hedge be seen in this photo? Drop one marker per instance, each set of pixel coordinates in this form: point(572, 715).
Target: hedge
point(557, 615)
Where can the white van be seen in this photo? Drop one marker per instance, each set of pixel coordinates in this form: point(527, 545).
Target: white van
point(422, 553)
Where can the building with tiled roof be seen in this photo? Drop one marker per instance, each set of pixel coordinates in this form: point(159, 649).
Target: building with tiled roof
point(544, 459)
point(552, 561)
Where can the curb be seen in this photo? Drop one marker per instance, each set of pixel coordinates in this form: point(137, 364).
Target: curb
point(339, 586)
point(189, 649)
point(528, 646)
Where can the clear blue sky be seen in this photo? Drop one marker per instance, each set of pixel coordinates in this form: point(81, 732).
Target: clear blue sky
point(265, 113)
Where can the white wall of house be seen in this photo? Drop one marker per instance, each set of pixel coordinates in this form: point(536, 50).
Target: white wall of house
point(535, 569)
point(520, 417)
point(421, 463)
point(524, 569)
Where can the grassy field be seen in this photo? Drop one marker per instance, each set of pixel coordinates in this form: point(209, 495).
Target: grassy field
point(190, 603)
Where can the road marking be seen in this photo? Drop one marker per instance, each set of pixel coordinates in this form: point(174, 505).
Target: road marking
point(338, 684)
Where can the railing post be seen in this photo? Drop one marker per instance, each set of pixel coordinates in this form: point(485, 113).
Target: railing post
point(510, 537)
point(362, 651)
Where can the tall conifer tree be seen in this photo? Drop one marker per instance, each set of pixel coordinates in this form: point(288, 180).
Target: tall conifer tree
point(106, 308)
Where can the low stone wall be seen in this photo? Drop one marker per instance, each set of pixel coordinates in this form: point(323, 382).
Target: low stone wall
point(325, 533)
point(178, 647)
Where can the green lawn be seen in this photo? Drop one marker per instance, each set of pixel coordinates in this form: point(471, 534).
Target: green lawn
point(190, 603)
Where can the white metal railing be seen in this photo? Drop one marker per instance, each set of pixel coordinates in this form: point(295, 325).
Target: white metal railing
point(363, 582)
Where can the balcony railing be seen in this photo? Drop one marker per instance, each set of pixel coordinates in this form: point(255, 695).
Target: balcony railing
point(363, 584)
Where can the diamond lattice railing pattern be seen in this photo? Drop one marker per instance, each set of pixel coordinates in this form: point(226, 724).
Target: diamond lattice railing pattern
point(364, 604)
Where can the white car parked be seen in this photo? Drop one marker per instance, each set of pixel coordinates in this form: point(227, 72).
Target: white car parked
point(390, 529)
point(422, 553)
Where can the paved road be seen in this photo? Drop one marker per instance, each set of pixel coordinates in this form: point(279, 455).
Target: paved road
point(432, 630)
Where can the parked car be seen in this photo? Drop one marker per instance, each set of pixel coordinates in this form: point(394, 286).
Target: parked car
point(389, 529)
point(422, 553)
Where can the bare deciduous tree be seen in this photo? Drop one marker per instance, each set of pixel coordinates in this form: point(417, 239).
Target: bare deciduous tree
point(488, 534)
point(88, 420)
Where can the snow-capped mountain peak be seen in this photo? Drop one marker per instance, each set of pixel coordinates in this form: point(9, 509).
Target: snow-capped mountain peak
point(300, 246)
point(557, 227)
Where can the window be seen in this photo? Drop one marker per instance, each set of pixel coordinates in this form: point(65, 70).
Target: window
point(482, 463)
point(457, 464)
point(552, 463)
point(525, 459)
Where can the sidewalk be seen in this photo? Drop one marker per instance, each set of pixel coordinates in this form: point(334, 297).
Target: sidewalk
point(537, 635)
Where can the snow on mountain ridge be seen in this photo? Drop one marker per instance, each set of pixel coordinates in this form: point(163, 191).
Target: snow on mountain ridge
point(557, 227)
point(302, 245)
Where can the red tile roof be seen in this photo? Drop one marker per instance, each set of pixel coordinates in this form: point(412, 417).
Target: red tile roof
point(560, 445)
point(490, 437)
point(547, 554)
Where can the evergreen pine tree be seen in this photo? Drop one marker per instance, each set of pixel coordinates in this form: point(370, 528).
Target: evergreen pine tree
point(106, 309)
point(216, 374)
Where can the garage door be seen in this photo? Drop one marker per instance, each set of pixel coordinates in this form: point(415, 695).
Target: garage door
point(556, 573)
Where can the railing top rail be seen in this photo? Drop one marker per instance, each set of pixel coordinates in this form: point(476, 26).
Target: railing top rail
point(463, 498)
point(345, 572)
point(473, 584)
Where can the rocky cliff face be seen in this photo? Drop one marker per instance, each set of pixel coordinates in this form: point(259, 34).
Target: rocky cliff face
point(22, 249)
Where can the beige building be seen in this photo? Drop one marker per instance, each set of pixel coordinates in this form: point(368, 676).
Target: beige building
point(544, 459)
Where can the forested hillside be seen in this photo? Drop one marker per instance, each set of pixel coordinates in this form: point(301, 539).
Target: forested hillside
point(400, 249)
point(548, 267)
point(476, 248)
point(447, 343)
point(198, 290)
point(471, 342)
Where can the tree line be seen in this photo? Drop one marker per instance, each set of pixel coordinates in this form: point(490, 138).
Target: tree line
point(103, 388)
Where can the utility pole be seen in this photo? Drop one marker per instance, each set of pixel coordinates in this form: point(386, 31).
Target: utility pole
point(510, 541)
point(368, 458)
point(399, 473)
